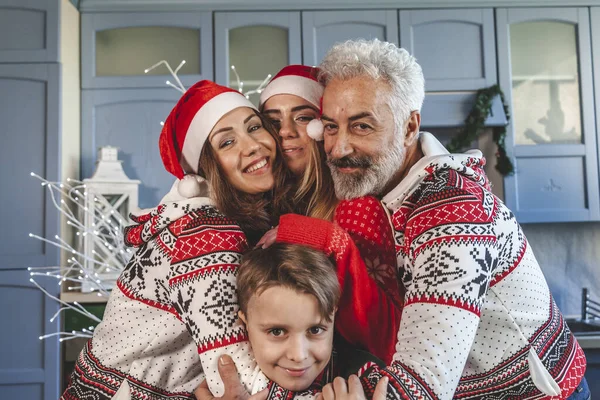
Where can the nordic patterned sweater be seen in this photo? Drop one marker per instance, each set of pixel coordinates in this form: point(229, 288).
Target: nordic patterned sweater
point(479, 321)
point(174, 310)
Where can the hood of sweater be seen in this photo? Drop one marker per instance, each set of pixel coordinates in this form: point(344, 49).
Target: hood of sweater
point(148, 223)
point(436, 158)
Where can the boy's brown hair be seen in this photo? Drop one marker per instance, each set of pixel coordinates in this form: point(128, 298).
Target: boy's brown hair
point(293, 266)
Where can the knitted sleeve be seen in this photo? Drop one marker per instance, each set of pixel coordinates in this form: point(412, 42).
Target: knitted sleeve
point(202, 287)
point(449, 253)
point(364, 308)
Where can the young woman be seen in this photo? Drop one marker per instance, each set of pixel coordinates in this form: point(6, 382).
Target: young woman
point(290, 102)
point(173, 310)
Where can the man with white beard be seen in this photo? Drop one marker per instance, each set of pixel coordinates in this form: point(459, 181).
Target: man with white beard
point(478, 319)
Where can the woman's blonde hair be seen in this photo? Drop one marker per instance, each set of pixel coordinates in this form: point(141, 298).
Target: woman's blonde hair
point(314, 195)
point(255, 213)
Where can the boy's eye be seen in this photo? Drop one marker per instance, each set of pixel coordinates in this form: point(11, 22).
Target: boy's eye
point(275, 122)
point(316, 330)
point(276, 332)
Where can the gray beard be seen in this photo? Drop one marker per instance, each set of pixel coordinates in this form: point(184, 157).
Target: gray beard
point(374, 178)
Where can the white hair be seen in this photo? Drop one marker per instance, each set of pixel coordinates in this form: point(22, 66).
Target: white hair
point(379, 60)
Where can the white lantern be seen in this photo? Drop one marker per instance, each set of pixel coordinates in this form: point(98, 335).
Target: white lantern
point(110, 196)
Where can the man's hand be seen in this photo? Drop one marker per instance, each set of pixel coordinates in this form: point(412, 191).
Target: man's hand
point(234, 390)
point(339, 390)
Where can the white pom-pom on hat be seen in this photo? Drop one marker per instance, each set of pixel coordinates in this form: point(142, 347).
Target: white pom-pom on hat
point(192, 186)
point(315, 129)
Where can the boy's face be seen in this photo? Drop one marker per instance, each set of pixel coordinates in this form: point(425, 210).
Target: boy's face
point(292, 343)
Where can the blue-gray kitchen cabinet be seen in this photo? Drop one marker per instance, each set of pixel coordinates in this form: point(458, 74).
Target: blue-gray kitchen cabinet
point(322, 29)
point(29, 31)
point(116, 48)
point(257, 43)
point(457, 52)
point(455, 48)
point(29, 111)
point(130, 120)
point(29, 367)
point(545, 71)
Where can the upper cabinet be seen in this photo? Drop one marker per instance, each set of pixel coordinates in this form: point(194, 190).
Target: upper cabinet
point(29, 31)
point(455, 48)
point(116, 48)
point(545, 70)
point(322, 29)
point(256, 44)
point(457, 51)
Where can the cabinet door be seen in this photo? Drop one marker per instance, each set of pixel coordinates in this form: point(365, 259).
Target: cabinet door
point(455, 48)
point(29, 31)
point(116, 48)
point(322, 29)
point(545, 70)
point(29, 111)
point(595, 19)
point(130, 120)
point(29, 367)
point(257, 44)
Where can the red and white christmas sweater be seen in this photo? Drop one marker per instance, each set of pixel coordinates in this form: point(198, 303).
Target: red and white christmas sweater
point(479, 321)
point(174, 310)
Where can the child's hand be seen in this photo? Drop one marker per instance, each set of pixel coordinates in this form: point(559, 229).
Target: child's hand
point(267, 239)
point(339, 390)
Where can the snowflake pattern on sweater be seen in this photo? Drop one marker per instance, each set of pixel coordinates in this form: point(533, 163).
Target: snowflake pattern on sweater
point(479, 320)
point(173, 312)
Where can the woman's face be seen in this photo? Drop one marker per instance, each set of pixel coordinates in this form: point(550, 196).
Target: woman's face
point(290, 115)
point(245, 150)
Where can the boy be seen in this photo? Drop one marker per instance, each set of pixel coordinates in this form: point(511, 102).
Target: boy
point(288, 295)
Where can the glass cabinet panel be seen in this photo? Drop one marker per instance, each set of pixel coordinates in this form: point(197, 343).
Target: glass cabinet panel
point(255, 52)
point(129, 51)
point(545, 83)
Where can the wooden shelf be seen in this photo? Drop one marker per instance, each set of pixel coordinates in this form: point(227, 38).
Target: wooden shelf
point(71, 297)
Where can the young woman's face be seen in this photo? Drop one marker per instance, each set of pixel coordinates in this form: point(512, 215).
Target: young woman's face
point(290, 115)
point(291, 342)
point(245, 150)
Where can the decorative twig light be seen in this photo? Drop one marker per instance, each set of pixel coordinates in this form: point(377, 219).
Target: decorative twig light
point(95, 271)
point(240, 84)
point(179, 85)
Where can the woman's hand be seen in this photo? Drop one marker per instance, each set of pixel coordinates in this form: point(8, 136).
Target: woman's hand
point(268, 238)
point(353, 390)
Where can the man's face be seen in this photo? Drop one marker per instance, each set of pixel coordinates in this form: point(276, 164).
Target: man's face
point(364, 151)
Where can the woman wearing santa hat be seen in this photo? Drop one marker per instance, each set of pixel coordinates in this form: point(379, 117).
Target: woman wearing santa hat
point(173, 310)
point(291, 102)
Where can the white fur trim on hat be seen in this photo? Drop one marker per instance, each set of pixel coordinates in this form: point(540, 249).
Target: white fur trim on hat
point(204, 121)
point(315, 129)
point(309, 89)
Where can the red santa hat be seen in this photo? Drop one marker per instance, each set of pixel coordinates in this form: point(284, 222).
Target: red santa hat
point(301, 81)
point(187, 127)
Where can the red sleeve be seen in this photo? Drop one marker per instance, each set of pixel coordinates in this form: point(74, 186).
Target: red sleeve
point(366, 317)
